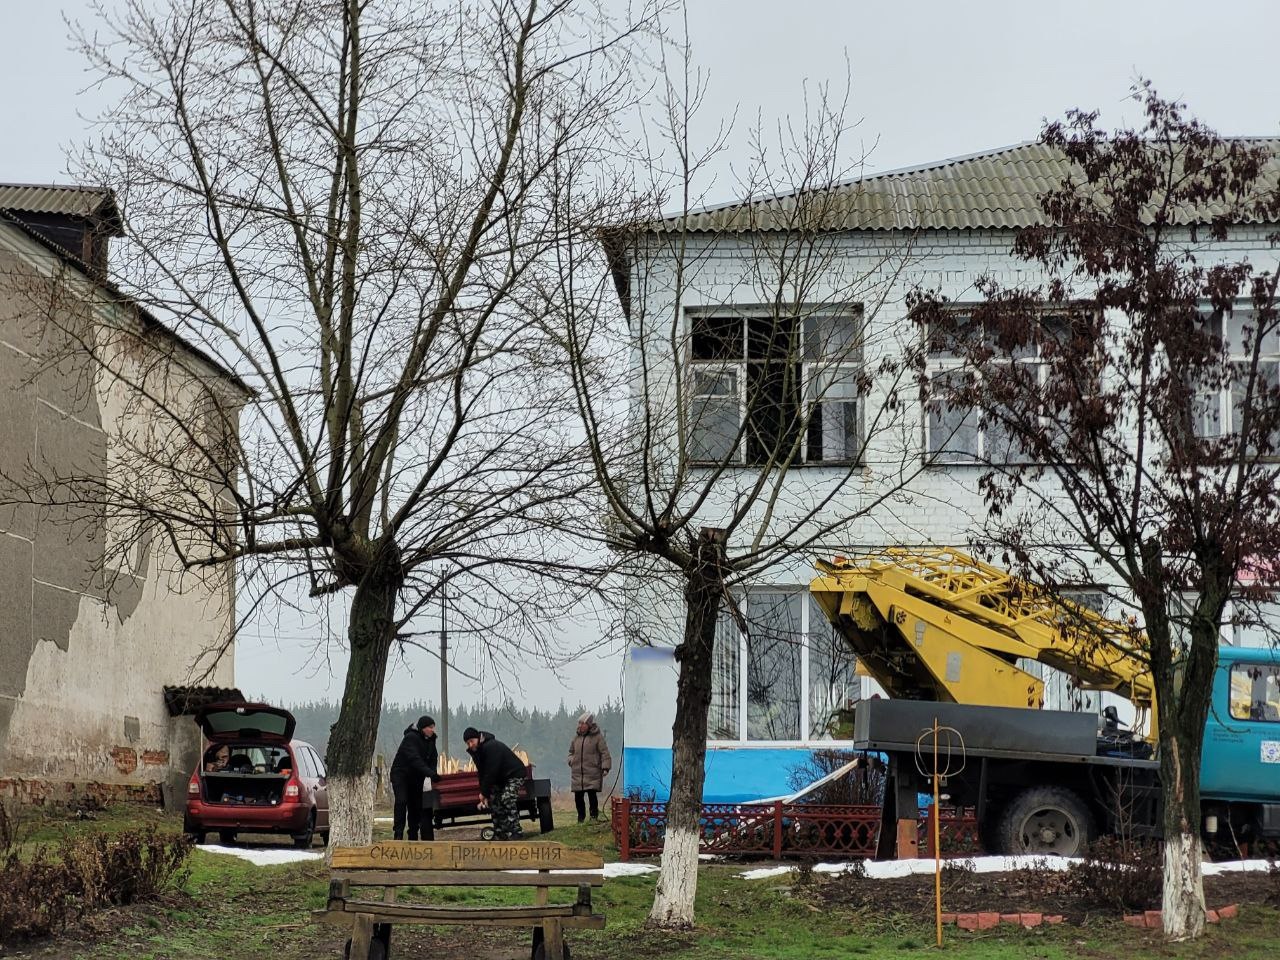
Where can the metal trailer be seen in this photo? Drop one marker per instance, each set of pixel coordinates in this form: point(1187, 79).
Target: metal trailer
point(452, 799)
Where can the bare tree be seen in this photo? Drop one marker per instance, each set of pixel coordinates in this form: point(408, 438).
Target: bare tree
point(1136, 392)
point(352, 204)
point(751, 417)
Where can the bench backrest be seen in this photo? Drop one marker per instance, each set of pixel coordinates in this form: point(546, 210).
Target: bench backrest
point(465, 863)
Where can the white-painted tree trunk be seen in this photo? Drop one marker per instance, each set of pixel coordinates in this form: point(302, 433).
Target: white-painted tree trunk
point(350, 811)
point(1183, 894)
point(677, 880)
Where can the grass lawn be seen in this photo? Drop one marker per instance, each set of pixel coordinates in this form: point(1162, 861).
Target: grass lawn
point(228, 909)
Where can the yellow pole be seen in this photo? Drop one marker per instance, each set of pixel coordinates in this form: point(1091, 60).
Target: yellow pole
point(937, 845)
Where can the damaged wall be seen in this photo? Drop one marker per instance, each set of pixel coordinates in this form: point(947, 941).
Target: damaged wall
point(88, 636)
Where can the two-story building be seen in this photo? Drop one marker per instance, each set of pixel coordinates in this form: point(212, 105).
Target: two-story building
point(92, 634)
point(941, 227)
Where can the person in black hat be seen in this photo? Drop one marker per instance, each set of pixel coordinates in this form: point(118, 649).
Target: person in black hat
point(501, 774)
point(415, 761)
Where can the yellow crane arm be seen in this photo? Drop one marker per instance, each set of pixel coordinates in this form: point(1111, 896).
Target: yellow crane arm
point(940, 625)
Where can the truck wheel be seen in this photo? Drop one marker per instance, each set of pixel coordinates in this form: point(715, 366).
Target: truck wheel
point(1045, 821)
point(546, 820)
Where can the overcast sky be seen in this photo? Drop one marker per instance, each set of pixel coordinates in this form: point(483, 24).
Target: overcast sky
point(930, 80)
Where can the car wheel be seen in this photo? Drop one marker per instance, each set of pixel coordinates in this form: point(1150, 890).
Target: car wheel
point(487, 833)
point(303, 840)
point(546, 819)
point(226, 837)
point(1044, 821)
point(324, 837)
point(196, 836)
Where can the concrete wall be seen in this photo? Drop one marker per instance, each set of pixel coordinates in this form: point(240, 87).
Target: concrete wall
point(90, 630)
point(940, 506)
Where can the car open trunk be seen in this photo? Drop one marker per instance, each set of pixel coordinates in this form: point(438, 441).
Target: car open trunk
point(245, 789)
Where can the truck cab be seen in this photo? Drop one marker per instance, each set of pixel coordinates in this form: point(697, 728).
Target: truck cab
point(1240, 765)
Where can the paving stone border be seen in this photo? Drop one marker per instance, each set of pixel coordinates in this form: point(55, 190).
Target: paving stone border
point(1151, 919)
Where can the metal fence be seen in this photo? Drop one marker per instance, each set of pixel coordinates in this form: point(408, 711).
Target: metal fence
point(781, 830)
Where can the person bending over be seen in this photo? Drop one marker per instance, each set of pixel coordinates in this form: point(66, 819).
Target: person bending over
point(501, 774)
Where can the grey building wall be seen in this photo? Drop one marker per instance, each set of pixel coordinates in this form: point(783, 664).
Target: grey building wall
point(87, 640)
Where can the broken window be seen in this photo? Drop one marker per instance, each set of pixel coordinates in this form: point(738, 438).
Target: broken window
point(766, 389)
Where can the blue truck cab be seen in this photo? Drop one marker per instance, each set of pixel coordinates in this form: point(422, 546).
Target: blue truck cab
point(1240, 765)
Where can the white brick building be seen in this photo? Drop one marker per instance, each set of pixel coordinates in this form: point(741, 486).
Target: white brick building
point(939, 227)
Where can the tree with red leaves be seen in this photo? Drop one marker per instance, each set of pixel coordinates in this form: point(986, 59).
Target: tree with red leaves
point(1135, 396)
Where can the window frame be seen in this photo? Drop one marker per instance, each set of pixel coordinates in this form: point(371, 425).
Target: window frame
point(938, 365)
point(741, 704)
point(1223, 398)
point(1242, 666)
point(810, 372)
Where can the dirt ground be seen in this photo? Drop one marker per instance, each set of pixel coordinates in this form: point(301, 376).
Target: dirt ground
point(1023, 891)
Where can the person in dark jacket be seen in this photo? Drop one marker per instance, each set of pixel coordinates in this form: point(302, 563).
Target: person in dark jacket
point(501, 774)
point(415, 762)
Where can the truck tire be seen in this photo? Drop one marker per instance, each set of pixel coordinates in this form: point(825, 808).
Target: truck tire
point(1045, 821)
point(546, 819)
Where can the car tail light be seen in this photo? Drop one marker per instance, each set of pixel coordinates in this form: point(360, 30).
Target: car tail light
point(292, 789)
point(193, 785)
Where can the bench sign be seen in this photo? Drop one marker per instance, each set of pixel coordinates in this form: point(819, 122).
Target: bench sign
point(444, 855)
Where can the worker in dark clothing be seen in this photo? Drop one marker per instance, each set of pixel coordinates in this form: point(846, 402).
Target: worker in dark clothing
point(501, 774)
point(415, 762)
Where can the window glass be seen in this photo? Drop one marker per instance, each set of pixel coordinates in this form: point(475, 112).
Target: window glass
point(833, 684)
point(722, 720)
point(831, 338)
point(773, 665)
point(834, 433)
point(1255, 692)
point(716, 337)
point(715, 409)
point(303, 756)
point(953, 431)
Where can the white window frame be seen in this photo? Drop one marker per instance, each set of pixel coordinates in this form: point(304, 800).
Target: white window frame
point(941, 365)
point(810, 371)
point(806, 739)
point(1221, 401)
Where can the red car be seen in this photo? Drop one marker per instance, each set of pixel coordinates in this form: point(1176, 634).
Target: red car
point(255, 778)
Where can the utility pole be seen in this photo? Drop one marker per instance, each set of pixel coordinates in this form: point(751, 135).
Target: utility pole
point(444, 672)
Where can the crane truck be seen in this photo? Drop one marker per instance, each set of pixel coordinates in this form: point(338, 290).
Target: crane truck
point(944, 634)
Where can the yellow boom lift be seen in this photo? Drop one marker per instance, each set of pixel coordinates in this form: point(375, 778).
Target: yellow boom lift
point(939, 625)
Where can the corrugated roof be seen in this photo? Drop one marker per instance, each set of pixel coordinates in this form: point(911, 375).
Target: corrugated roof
point(998, 189)
point(69, 199)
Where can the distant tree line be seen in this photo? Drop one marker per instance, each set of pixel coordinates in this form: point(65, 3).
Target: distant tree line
point(543, 734)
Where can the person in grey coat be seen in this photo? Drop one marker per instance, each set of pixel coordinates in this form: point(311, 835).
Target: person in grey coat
point(589, 764)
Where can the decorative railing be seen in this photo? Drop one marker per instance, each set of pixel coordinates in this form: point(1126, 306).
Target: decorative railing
point(781, 830)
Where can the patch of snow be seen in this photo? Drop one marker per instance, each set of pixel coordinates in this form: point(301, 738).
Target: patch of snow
point(706, 857)
point(261, 856)
point(383, 820)
point(1235, 866)
point(764, 873)
point(612, 870)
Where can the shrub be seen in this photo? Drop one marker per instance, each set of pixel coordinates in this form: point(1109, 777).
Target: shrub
point(1119, 874)
point(41, 893)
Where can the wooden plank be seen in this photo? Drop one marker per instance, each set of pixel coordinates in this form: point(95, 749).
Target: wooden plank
point(464, 855)
point(361, 935)
point(465, 878)
point(388, 910)
point(553, 938)
point(337, 917)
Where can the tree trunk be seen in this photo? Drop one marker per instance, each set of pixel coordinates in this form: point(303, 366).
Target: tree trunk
point(1182, 897)
point(353, 737)
point(678, 879)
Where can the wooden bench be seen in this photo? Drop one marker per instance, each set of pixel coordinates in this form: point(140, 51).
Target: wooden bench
point(396, 864)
